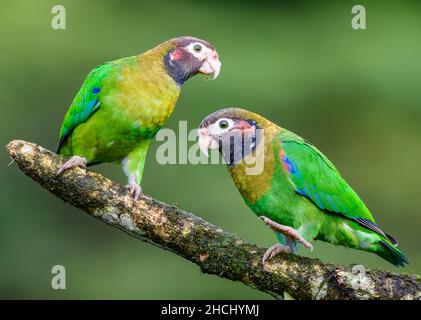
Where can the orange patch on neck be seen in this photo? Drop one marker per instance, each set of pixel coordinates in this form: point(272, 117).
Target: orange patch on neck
point(176, 54)
point(243, 126)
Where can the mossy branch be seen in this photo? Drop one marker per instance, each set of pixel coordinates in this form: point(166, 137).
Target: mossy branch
point(214, 250)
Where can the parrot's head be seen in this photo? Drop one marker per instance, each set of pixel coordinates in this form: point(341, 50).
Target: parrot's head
point(235, 132)
point(188, 56)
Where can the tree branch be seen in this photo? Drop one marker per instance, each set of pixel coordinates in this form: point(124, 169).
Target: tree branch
point(211, 248)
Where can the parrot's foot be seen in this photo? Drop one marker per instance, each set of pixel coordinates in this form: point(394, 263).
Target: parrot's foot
point(134, 188)
point(275, 250)
point(289, 232)
point(73, 162)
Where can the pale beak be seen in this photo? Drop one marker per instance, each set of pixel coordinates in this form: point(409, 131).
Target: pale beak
point(211, 65)
point(206, 141)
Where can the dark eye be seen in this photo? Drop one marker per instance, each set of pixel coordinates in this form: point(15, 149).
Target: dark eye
point(197, 48)
point(223, 124)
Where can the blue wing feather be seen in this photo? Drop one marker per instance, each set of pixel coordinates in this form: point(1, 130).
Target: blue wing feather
point(86, 102)
point(316, 178)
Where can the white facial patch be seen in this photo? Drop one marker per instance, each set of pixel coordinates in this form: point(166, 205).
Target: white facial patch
point(221, 126)
point(199, 50)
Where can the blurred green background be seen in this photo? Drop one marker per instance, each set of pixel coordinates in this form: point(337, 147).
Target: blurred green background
point(354, 94)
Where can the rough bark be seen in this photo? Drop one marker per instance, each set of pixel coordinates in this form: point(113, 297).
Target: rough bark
point(214, 250)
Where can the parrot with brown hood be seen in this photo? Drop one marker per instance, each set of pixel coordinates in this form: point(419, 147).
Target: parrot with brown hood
point(297, 191)
point(123, 103)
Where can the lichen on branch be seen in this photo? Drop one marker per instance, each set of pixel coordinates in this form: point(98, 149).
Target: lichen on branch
point(214, 250)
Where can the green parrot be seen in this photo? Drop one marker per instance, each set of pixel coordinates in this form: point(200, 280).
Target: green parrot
point(292, 186)
point(123, 103)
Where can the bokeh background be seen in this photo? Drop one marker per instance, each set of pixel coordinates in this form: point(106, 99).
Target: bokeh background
point(354, 94)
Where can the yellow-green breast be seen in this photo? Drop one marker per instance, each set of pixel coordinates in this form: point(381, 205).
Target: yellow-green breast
point(144, 92)
point(253, 187)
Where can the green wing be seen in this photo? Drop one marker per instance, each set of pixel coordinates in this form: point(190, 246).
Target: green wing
point(317, 179)
point(86, 102)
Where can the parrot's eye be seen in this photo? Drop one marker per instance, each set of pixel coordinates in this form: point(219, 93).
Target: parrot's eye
point(197, 48)
point(223, 124)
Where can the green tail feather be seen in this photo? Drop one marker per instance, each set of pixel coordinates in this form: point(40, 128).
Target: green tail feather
point(392, 254)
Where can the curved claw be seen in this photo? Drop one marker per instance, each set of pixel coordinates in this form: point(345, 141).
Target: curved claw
point(73, 162)
point(307, 244)
point(275, 250)
point(134, 189)
point(289, 232)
